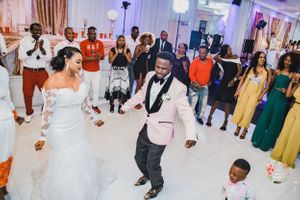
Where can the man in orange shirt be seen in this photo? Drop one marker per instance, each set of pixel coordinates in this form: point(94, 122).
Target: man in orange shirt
point(200, 73)
point(92, 52)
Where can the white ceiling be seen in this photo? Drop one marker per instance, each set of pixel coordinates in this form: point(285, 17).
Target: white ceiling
point(288, 7)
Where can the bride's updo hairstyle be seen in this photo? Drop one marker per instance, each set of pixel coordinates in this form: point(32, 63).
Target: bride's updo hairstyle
point(58, 62)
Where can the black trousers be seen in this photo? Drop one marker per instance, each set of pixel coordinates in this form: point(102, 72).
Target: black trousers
point(148, 156)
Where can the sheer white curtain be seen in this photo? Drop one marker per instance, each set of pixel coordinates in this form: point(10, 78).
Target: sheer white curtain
point(96, 13)
point(15, 12)
point(149, 15)
point(93, 10)
point(238, 21)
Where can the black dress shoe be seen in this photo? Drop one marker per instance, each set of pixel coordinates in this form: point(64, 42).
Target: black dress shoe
point(200, 121)
point(153, 192)
point(142, 181)
point(208, 123)
point(223, 127)
point(119, 108)
point(112, 108)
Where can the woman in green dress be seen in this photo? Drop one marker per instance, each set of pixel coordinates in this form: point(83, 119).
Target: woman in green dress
point(287, 146)
point(270, 122)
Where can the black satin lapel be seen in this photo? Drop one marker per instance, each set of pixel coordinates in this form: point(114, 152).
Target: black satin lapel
point(148, 94)
point(158, 102)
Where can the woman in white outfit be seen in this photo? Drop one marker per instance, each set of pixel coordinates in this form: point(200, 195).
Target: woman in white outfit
point(71, 172)
point(7, 131)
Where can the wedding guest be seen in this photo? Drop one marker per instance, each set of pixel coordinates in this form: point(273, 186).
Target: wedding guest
point(118, 82)
point(181, 65)
point(272, 52)
point(132, 41)
point(298, 46)
point(250, 91)
point(294, 46)
point(236, 187)
point(158, 121)
point(200, 73)
point(141, 54)
point(270, 121)
point(161, 44)
point(35, 53)
point(8, 117)
point(225, 94)
point(287, 145)
point(67, 42)
point(244, 65)
point(92, 52)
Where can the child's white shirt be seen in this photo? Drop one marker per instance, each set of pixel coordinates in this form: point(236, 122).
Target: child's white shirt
point(237, 191)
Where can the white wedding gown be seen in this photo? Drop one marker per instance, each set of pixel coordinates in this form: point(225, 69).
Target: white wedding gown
point(71, 171)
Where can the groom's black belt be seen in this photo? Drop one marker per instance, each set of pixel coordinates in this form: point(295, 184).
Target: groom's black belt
point(34, 69)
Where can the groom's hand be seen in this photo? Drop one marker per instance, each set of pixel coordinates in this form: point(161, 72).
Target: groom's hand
point(122, 112)
point(39, 145)
point(190, 143)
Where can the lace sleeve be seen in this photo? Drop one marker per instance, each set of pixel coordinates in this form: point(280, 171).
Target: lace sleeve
point(49, 97)
point(87, 108)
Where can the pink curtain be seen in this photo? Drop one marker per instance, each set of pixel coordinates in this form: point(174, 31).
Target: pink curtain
point(288, 26)
point(260, 41)
point(51, 14)
point(274, 26)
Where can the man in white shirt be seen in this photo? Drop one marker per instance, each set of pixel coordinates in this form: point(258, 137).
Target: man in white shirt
point(132, 41)
point(34, 52)
point(69, 41)
point(3, 49)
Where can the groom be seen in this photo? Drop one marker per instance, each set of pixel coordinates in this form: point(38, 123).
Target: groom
point(164, 96)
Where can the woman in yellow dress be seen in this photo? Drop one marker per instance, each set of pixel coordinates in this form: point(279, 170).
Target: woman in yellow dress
point(287, 145)
point(250, 91)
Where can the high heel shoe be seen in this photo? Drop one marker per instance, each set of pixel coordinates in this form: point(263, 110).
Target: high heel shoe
point(223, 127)
point(237, 131)
point(112, 108)
point(243, 135)
point(208, 123)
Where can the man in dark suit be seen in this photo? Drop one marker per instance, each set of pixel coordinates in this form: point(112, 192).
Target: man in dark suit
point(161, 44)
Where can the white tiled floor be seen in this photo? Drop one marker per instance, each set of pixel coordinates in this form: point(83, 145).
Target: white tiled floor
point(193, 174)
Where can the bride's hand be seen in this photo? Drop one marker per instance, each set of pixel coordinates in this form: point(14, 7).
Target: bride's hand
point(99, 123)
point(39, 145)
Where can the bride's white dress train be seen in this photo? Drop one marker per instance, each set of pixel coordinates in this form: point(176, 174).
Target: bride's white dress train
point(71, 172)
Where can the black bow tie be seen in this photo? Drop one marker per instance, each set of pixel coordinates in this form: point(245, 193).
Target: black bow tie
point(161, 81)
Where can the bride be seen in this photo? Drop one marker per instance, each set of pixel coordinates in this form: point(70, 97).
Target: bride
point(71, 171)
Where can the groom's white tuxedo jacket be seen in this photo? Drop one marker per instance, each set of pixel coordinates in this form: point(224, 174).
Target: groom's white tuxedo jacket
point(161, 115)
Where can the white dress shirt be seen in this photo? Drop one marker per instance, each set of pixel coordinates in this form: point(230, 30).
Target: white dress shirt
point(6, 105)
point(26, 44)
point(155, 89)
point(3, 49)
point(131, 43)
point(63, 44)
